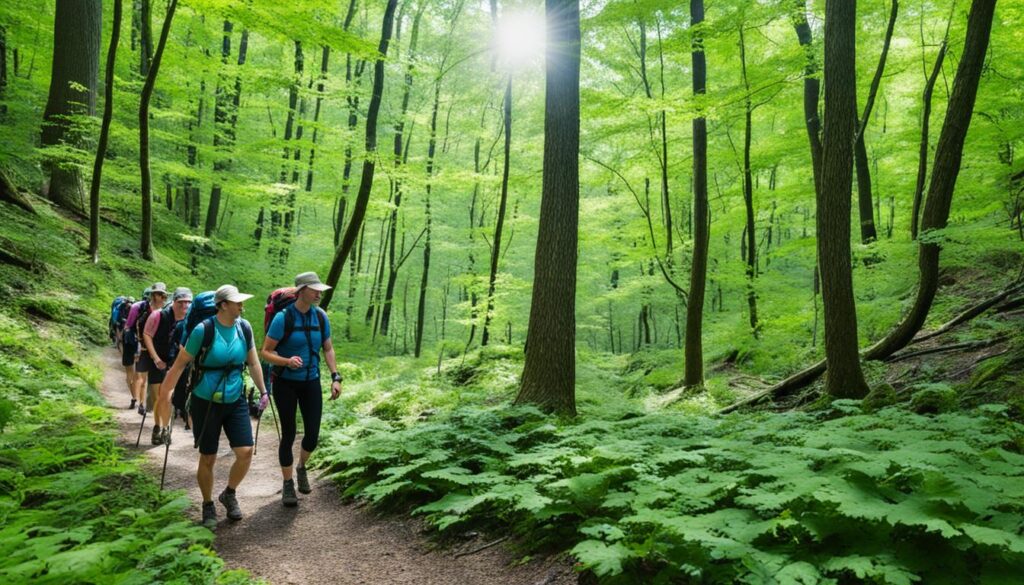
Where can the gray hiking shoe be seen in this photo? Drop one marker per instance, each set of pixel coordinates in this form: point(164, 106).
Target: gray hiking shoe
point(165, 436)
point(302, 480)
point(230, 504)
point(209, 515)
point(142, 410)
point(288, 497)
point(158, 438)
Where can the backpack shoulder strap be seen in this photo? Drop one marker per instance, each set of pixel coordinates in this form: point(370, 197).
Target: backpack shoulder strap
point(246, 328)
point(289, 325)
point(321, 316)
point(208, 330)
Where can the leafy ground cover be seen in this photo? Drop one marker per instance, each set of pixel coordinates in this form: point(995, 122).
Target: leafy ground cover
point(840, 496)
point(74, 507)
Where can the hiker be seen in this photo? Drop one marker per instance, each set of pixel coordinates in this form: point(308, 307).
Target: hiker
point(144, 363)
point(292, 347)
point(158, 341)
point(130, 351)
point(221, 345)
point(127, 361)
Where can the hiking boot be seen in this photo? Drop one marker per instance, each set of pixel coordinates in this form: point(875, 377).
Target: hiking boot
point(230, 504)
point(302, 480)
point(165, 436)
point(142, 410)
point(158, 438)
point(132, 405)
point(288, 497)
point(209, 515)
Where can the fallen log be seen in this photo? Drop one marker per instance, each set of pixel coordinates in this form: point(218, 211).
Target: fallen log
point(944, 348)
point(10, 194)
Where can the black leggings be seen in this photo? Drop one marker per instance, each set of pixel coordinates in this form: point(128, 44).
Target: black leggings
point(308, 396)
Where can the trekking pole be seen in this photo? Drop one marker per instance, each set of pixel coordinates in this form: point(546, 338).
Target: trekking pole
point(167, 449)
point(256, 440)
point(274, 413)
point(141, 426)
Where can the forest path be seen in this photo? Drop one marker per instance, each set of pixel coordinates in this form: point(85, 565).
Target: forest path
point(323, 540)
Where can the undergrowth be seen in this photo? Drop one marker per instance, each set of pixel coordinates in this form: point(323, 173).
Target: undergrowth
point(74, 508)
point(839, 496)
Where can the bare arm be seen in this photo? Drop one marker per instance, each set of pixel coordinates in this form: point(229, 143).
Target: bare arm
point(332, 364)
point(174, 374)
point(255, 370)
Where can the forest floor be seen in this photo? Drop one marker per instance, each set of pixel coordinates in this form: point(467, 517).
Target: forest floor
point(323, 540)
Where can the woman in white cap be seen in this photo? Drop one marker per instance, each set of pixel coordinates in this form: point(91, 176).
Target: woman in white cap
point(222, 346)
point(292, 346)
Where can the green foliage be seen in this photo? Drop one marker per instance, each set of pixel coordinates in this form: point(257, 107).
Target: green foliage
point(891, 497)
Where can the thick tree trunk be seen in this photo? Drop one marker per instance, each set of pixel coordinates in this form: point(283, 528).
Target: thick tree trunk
point(366, 181)
point(868, 231)
point(75, 75)
point(293, 104)
point(694, 351)
point(844, 378)
point(500, 221)
point(946, 168)
point(101, 148)
point(3, 62)
point(146, 244)
point(549, 373)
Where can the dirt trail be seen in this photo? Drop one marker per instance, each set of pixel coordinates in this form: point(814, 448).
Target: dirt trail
point(323, 540)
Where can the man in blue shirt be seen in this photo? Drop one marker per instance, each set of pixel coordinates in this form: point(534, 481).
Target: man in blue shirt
point(292, 347)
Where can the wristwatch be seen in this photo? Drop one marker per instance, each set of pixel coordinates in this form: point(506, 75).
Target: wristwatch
point(335, 377)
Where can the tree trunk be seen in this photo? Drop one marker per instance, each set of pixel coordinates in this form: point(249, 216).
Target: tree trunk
point(101, 148)
point(75, 75)
point(549, 373)
point(812, 92)
point(393, 266)
point(844, 378)
point(3, 63)
point(325, 54)
point(500, 221)
point(293, 102)
point(220, 134)
point(922, 160)
point(147, 93)
point(748, 191)
point(145, 37)
point(868, 231)
point(694, 351)
point(948, 155)
point(366, 181)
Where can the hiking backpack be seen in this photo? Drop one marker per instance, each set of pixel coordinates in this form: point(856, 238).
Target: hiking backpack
point(204, 310)
point(115, 312)
point(280, 300)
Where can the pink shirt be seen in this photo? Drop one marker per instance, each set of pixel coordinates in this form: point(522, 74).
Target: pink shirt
point(133, 315)
point(152, 323)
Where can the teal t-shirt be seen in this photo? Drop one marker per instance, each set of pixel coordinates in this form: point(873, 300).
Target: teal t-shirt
point(228, 348)
point(308, 348)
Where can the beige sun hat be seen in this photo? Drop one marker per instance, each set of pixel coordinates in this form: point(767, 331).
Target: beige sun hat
point(311, 280)
point(229, 292)
point(182, 294)
point(158, 287)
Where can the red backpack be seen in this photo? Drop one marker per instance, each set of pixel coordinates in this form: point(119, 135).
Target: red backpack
point(277, 301)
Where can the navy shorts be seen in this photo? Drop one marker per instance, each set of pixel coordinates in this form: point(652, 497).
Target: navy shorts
point(129, 347)
point(208, 418)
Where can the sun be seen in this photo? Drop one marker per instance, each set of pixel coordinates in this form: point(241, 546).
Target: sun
point(520, 38)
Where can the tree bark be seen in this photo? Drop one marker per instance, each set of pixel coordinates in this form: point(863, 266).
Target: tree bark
point(393, 265)
point(922, 160)
point(146, 243)
point(948, 156)
point(366, 181)
point(748, 190)
point(844, 378)
point(812, 90)
point(500, 221)
point(145, 37)
point(221, 138)
point(549, 373)
point(75, 75)
point(101, 148)
point(325, 54)
point(868, 231)
point(694, 351)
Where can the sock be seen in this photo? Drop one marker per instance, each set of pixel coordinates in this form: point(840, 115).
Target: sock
point(229, 490)
point(210, 503)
